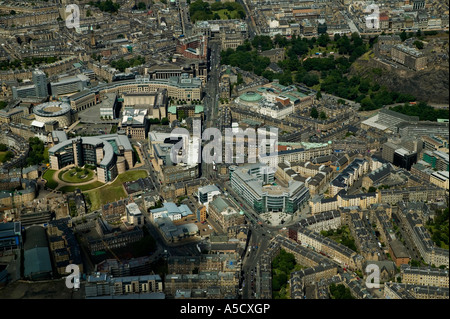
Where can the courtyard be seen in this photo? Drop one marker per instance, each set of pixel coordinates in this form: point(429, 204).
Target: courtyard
point(76, 175)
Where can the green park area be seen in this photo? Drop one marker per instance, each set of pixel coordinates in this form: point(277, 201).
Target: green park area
point(83, 188)
point(113, 191)
point(48, 176)
point(341, 73)
point(341, 235)
point(282, 266)
point(5, 153)
point(6, 156)
point(98, 192)
point(200, 10)
point(76, 175)
point(438, 228)
point(340, 292)
point(224, 14)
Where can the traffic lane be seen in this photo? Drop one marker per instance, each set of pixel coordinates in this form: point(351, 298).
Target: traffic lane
point(250, 266)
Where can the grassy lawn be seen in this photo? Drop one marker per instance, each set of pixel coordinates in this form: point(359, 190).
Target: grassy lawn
point(341, 235)
point(72, 176)
point(48, 176)
point(114, 191)
point(223, 14)
point(2, 156)
point(46, 158)
point(87, 187)
point(328, 49)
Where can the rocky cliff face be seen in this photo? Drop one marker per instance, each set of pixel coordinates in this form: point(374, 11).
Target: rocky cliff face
point(430, 85)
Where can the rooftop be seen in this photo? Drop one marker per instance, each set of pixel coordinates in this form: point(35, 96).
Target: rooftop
point(250, 96)
point(133, 209)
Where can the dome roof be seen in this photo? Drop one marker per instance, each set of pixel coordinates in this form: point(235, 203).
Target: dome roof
point(250, 96)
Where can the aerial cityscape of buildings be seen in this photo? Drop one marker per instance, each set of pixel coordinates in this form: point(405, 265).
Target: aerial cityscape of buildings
point(111, 111)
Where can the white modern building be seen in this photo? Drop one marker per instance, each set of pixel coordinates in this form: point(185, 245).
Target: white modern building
point(206, 194)
point(134, 214)
point(171, 211)
point(255, 183)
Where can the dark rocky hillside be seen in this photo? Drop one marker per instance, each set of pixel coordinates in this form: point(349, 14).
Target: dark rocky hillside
point(430, 85)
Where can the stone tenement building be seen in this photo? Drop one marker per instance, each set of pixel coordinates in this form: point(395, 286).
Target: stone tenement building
point(409, 57)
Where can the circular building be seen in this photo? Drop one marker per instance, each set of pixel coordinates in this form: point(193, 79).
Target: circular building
point(107, 152)
point(250, 98)
point(53, 111)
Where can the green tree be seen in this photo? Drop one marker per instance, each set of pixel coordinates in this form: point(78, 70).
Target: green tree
point(106, 6)
point(367, 104)
point(240, 79)
point(323, 40)
point(314, 113)
point(311, 79)
point(36, 154)
point(263, 41)
point(403, 35)
point(282, 265)
point(372, 189)
point(280, 40)
point(7, 156)
point(340, 292)
point(415, 263)
point(141, 6)
point(418, 44)
point(318, 95)
point(200, 10)
point(286, 78)
point(322, 115)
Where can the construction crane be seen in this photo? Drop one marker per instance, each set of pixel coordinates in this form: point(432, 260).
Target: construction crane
point(110, 250)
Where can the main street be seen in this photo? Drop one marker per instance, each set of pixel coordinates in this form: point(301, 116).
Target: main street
point(186, 24)
point(210, 100)
point(252, 27)
point(259, 233)
point(143, 149)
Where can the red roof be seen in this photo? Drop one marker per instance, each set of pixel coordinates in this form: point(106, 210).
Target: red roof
point(384, 17)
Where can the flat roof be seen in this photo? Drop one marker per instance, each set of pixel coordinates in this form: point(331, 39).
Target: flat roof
point(133, 209)
point(372, 121)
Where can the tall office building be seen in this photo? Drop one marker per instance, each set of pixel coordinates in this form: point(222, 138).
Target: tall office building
point(404, 158)
point(255, 184)
point(40, 83)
